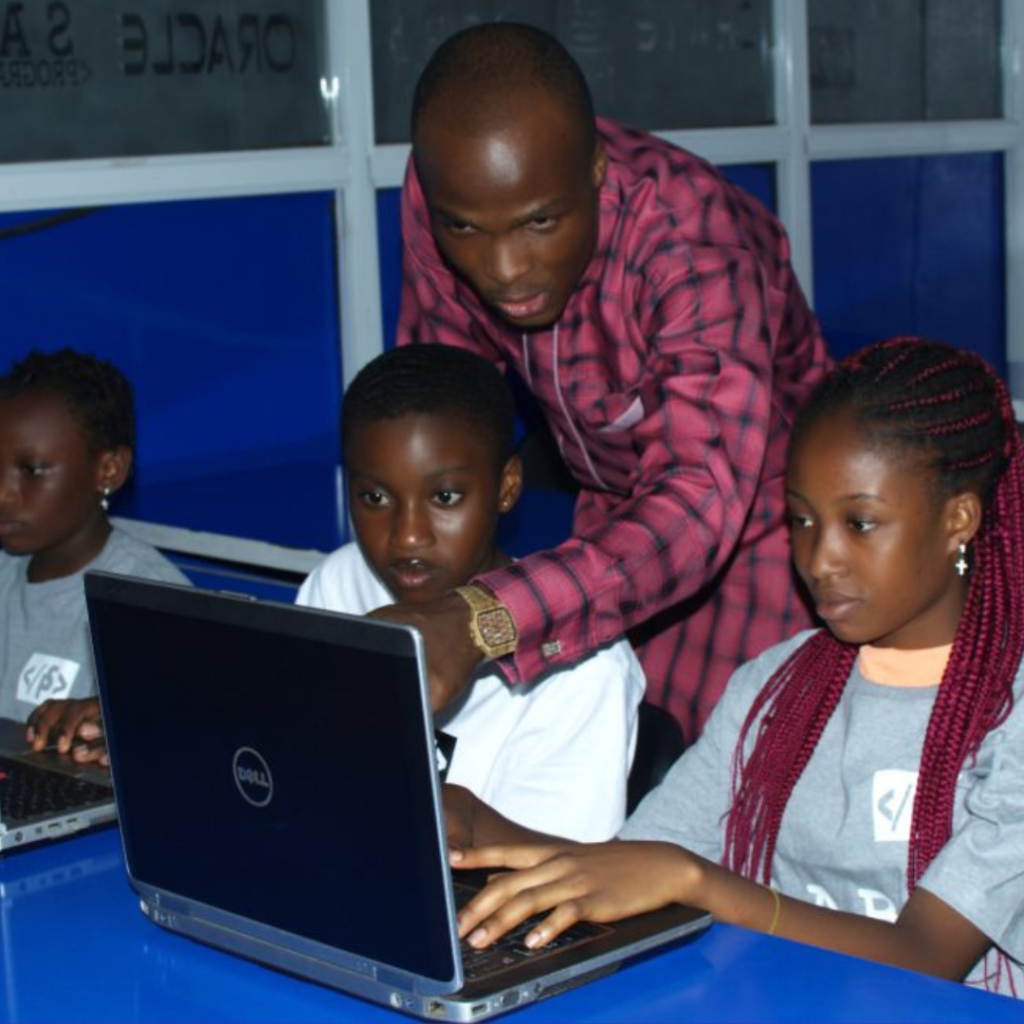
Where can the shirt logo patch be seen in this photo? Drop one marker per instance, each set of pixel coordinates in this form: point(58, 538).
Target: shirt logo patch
point(46, 677)
point(892, 803)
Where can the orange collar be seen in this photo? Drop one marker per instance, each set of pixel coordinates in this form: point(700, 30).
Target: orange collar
point(891, 667)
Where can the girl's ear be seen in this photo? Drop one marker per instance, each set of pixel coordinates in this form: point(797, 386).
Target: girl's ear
point(511, 485)
point(113, 468)
point(963, 519)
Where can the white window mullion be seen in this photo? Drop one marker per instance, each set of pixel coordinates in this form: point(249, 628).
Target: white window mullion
point(358, 262)
point(387, 164)
point(792, 110)
point(73, 183)
point(1013, 199)
point(763, 144)
point(915, 138)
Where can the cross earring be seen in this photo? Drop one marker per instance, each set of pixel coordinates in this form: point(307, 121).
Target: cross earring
point(961, 563)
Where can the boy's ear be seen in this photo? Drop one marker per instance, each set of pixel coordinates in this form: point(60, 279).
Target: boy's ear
point(963, 518)
point(114, 466)
point(511, 485)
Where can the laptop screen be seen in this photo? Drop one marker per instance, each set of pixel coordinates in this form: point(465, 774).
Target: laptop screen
point(276, 763)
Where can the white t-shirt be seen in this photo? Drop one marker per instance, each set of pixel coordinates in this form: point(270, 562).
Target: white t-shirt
point(553, 755)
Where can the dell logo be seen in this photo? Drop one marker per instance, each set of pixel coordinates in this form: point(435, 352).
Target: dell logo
point(252, 776)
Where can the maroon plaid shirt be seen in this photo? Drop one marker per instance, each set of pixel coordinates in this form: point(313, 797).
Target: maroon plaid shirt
point(670, 383)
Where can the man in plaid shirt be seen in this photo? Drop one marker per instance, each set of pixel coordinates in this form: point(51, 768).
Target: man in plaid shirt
point(652, 310)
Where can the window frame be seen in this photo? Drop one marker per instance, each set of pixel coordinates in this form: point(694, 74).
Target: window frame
point(355, 168)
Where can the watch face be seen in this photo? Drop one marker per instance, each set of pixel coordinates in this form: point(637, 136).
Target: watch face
point(496, 626)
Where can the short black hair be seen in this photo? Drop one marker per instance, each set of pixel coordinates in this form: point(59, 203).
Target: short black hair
point(98, 395)
point(435, 380)
point(493, 61)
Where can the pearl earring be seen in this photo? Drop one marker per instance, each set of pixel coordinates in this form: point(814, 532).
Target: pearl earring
point(105, 500)
point(961, 563)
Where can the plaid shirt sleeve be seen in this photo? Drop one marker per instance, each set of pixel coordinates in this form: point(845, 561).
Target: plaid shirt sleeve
point(702, 445)
point(681, 469)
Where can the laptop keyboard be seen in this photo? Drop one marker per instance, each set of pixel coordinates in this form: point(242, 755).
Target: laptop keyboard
point(509, 951)
point(27, 792)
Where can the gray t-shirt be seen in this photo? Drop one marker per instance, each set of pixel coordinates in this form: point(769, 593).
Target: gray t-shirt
point(843, 841)
point(45, 650)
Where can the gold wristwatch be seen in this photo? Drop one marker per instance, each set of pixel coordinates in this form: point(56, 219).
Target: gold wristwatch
point(491, 627)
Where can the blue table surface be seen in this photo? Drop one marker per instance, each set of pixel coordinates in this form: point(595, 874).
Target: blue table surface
point(75, 947)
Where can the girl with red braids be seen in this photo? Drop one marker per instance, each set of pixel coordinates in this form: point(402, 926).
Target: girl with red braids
point(859, 787)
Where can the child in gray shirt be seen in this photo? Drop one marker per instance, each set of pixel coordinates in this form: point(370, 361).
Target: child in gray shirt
point(859, 787)
point(67, 435)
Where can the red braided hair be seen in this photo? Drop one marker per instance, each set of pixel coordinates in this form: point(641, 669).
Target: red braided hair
point(950, 406)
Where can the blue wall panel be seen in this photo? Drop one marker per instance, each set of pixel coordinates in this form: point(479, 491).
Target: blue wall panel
point(911, 246)
point(223, 315)
point(389, 244)
point(757, 179)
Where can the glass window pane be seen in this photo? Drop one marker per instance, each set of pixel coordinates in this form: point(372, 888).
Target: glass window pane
point(889, 60)
point(657, 64)
point(105, 78)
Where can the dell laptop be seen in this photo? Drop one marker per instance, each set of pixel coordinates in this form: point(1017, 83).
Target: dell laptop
point(45, 795)
point(279, 797)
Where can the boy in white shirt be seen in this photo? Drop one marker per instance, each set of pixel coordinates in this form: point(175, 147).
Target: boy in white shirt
point(427, 446)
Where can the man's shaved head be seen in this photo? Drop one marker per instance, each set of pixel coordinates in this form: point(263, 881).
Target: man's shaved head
point(483, 73)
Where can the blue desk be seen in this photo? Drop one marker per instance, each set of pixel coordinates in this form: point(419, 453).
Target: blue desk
point(74, 946)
